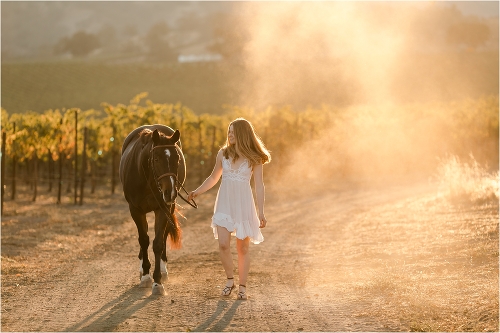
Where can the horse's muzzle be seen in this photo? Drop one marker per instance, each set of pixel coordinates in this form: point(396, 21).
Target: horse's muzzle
point(169, 191)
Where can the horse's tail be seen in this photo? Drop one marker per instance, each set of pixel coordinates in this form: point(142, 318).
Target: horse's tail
point(175, 233)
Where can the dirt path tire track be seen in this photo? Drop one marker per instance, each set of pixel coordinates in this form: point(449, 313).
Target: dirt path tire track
point(93, 284)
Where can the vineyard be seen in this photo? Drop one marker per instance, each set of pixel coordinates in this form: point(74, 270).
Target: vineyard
point(70, 152)
point(69, 147)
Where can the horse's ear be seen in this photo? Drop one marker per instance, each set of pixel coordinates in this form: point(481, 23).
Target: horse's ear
point(156, 137)
point(176, 136)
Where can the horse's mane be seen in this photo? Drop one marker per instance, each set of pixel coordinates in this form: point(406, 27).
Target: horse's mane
point(146, 133)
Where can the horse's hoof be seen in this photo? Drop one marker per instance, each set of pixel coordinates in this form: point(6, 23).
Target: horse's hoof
point(146, 281)
point(158, 289)
point(164, 276)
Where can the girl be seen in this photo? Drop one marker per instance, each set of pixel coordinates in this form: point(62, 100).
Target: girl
point(234, 211)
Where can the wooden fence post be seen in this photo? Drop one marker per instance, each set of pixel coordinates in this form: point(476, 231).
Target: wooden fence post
point(35, 175)
point(4, 137)
point(61, 155)
point(51, 170)
point(69, 167)
point(92, 175)
point(29, 171)
point(84, 162)
point(14, 162)
point(76, 156)
point(113, 158)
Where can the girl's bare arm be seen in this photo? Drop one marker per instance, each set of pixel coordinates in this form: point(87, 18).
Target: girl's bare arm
point(258, 176)
point(211, 180)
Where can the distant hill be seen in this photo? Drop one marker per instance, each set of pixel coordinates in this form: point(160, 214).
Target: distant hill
point(203, 87)
point(31, 29)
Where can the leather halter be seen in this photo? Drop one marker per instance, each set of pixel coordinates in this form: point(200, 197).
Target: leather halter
point(151, 161)
point(167, 174)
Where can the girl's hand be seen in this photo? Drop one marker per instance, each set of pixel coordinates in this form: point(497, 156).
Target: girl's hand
point(262, 220)
point(192, 195)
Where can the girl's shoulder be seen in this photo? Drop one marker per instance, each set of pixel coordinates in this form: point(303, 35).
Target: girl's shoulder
point(220, 154)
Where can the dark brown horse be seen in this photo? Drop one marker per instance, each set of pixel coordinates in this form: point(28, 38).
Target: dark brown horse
point(152, 167)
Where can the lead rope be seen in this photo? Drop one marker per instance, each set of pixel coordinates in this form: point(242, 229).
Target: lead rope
point(194, 205)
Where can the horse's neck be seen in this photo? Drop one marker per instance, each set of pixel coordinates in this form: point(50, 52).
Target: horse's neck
point(143, 156)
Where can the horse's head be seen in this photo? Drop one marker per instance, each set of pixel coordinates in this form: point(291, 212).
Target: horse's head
point(164, 158)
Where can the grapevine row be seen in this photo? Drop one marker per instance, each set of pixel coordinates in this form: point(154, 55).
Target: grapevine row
point(55, 139)
point(317, 143)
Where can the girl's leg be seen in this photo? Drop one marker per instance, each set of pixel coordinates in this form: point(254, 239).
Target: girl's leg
point(225, 253)
point(242, 245)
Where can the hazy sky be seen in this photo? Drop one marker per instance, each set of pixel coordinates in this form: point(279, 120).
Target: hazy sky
point(26, 26)
point(478, 8)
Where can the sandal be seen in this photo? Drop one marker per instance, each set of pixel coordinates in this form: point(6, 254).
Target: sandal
point(227, 290)
point(242, 295)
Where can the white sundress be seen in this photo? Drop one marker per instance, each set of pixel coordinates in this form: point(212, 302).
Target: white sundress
point(234, 207)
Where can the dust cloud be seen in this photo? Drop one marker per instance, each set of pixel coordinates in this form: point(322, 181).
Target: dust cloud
point(345, 53)
point(387, 71)
point(319, 44)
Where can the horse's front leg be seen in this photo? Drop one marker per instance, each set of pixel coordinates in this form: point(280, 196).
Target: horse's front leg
point(169, 229)
point(142, 228)
point(163, 262)
point(158, 249)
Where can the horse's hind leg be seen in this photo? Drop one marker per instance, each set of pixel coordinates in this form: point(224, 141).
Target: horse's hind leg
point(158, 249)
point(142, 228)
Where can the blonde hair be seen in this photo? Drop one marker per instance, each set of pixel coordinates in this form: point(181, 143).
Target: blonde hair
point(249, 144)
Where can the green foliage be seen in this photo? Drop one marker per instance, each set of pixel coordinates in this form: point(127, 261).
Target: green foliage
point(34, 133)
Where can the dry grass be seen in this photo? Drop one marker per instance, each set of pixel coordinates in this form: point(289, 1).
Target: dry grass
point(439, 255)
point(467, 182)
point(38, 236)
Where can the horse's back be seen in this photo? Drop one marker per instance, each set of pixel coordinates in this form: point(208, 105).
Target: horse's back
point(134, 135)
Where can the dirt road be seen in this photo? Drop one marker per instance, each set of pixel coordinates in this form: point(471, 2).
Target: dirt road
point(339, 260)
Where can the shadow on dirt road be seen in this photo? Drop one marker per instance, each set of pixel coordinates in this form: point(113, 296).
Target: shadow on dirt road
point(216, 324)
point(113, 313)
